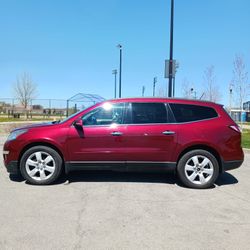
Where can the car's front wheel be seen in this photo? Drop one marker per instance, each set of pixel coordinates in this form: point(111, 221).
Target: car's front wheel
point(41, 165)
point(198, 169)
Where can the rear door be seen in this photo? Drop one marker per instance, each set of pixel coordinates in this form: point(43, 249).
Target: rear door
point(149, 136)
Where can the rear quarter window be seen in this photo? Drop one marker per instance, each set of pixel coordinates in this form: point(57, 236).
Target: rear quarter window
point(189, 113)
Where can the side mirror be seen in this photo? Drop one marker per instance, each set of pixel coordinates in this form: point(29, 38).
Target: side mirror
point(78, 123)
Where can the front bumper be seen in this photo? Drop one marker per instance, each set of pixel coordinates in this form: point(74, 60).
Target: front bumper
point(229, 165)
point(12, 167)
point(10, 156)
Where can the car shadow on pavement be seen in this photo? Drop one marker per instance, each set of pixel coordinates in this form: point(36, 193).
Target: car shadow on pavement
point(226, 179)
point(107, 176)
point(111, 176)
point(16, 177)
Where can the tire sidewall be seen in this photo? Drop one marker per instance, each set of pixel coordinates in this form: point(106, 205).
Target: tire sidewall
point(58, 165)
point(181, 169)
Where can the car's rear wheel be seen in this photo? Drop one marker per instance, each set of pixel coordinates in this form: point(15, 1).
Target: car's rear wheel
point(198, 169)
point(41, 165)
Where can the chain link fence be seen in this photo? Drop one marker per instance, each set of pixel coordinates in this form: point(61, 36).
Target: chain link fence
point(45, 109)
point(36, 108)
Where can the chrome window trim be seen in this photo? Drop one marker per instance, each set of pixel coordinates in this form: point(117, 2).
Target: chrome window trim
point(127, 106)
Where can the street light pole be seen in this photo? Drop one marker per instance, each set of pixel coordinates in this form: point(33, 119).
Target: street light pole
point(171, 50)
point(114, 72)
point(119, 46)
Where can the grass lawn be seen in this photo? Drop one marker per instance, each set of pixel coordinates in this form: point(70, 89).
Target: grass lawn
point(246, 138)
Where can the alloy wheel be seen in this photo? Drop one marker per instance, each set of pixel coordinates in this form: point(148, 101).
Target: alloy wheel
point(40, 166)
point(199, 169)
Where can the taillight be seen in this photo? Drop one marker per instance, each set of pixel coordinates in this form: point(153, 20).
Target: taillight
point(235, 128)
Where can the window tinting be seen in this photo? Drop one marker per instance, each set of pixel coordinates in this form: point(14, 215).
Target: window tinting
point(188, 113)
point(105, 115)
point(149, 113)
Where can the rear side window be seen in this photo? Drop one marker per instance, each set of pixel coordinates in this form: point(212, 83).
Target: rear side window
point(149, 113)
point(189, 113)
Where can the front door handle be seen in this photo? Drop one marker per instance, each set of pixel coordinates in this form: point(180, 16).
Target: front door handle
point(168, 132)
point(116, 133)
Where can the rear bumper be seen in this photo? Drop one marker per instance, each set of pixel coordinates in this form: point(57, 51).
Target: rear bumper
point(12, 167)
point(229, 165)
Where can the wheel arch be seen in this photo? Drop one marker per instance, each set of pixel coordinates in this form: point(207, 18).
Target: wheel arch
point(210, 149)
point(33, 144)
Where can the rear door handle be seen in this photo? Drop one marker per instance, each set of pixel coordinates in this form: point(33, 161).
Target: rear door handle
point(168, 132)
point(116, 133)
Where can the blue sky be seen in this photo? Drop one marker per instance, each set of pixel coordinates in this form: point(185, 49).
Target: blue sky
point(70, 46)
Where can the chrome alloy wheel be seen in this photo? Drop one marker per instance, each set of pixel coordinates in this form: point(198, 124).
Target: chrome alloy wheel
point(40, 166)
point(199, 169)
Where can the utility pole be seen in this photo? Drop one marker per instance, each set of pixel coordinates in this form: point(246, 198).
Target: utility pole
point(174, 87)
point(67, 111)
point(114, 72)
point(143, 90)
point(175, 66)
point(154, 82)
point(170, 82)
point(119, 46)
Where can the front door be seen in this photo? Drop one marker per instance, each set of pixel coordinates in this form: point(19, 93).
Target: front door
point(101, 137)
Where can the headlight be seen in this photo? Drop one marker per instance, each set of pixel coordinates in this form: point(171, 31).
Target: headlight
point(13, 135)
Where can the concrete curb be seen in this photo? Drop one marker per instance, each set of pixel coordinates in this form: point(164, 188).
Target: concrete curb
point(246, 150)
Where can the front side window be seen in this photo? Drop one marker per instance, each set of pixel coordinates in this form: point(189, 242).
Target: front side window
point(149, 113)
point(189, 113)
point(107, 114)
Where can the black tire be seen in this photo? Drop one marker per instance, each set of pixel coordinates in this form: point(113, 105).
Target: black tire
point(55, 164)
point(209, 172)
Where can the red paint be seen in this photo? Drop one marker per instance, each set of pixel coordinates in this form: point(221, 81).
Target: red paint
point(138, 142)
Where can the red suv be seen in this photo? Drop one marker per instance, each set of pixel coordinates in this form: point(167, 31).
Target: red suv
point(196, 139)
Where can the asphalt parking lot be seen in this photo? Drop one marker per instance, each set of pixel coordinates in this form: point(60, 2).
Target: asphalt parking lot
point(109, 210)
